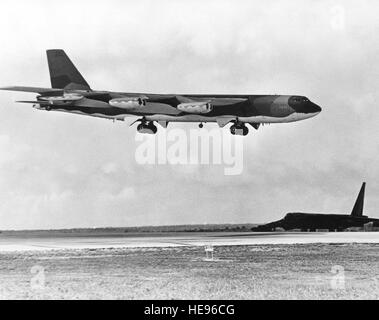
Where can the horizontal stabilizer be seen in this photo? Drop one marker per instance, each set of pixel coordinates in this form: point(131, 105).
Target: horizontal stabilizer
point(34, 102)
point(34, 89)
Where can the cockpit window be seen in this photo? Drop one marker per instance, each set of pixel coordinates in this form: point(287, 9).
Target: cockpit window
point(300, 99)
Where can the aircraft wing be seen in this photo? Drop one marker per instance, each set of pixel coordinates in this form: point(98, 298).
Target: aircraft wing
point(174, 100)
point(33, 89)
point(213, 100)
point(227, 101)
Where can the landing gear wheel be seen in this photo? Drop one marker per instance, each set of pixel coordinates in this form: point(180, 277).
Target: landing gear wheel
point(201, 125)
point(149, 128)
point(140, 127)
point(153, 128)
point(239, 129)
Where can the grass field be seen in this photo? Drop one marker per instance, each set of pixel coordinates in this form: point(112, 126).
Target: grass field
point(237, 272)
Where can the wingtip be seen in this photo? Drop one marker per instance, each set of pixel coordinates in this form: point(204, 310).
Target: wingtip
point(5, 88)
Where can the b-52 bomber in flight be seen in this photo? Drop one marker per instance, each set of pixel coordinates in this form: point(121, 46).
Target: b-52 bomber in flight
point(71, 93)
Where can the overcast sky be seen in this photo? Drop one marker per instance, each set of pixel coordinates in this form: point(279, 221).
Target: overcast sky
point(60, 170)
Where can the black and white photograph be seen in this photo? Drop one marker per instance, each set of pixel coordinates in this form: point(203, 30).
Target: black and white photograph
point(189, 150)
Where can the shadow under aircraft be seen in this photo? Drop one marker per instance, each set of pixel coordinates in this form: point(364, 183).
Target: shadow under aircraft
point(71, 93)
point(314, 221)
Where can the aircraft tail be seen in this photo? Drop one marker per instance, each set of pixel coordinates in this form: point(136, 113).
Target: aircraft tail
point(358, 206)
point(63, 73)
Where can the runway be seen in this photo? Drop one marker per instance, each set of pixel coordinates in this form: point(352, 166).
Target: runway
point(37, 242)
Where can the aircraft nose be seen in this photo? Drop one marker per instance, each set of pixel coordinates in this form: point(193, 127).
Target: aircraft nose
point(303, 105)
point(311, 107)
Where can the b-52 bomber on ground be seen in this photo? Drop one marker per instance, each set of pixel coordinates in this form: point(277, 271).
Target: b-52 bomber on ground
point(71, 93)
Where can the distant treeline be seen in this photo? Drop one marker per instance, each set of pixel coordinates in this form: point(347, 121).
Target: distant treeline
point(151, 229)
point(193, 228)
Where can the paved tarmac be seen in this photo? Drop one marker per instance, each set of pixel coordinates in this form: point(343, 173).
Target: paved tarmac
point(29, 242)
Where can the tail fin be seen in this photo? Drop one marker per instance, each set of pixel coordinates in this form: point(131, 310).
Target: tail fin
point(63, 73)
point(358, 206)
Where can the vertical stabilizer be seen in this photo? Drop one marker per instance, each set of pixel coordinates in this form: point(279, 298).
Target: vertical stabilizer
point(358, 206)
point(63, 73)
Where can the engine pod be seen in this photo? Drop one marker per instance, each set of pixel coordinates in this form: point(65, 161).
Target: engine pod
point(127, 103)
point(196, 107)
point(67, 98)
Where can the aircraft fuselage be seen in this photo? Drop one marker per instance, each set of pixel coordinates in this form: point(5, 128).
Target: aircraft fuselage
point(244, 108)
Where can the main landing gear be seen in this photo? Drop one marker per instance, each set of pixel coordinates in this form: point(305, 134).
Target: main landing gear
point(146, 127)
point(239, 128)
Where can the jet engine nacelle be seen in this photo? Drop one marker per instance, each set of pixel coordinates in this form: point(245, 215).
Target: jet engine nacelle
point(196, 107)
point(128, 103)
point(67, 98)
